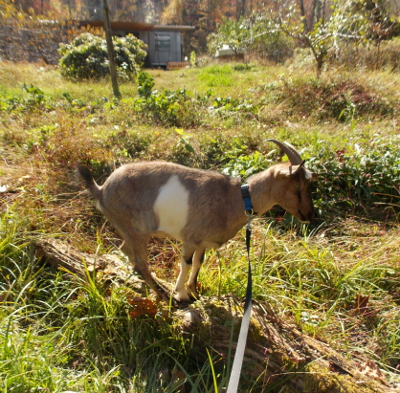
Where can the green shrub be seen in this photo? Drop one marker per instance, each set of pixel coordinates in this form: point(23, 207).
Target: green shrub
point(227, 106)
point(181, 108)
point(245, 166)
point(354, 178)
point(145, 83)
point(193, 59)
point(242, 67)
point(168, 108)
point(86, 57)
point(357, 178)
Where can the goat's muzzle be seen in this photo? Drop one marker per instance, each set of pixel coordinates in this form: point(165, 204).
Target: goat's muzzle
point(306, 217)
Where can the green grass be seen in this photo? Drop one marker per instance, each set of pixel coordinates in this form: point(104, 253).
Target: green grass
point(60, 332)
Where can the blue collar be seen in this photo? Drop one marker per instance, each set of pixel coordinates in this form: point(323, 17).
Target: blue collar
point(248, 207)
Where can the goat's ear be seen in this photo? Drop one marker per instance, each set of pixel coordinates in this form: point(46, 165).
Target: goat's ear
point(285, 172)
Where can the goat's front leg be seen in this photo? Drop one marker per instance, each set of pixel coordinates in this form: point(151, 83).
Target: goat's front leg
point(137, 254)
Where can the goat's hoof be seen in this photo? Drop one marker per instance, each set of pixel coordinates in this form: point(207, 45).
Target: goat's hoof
point(193, 297)
point(193, 294)
point(183, 302)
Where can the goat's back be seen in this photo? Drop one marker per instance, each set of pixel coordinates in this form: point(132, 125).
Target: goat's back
point(171, 199)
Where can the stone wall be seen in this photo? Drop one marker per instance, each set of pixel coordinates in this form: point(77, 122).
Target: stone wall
point(39, 44)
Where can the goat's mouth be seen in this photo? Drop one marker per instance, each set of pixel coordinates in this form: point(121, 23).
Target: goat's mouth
point(303, 219)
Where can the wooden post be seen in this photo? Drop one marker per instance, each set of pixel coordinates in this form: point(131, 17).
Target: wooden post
point(110, 50)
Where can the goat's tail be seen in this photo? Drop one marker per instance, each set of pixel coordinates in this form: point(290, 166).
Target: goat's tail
point(87, 177)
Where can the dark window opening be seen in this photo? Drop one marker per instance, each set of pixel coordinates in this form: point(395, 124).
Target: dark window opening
point(163, 42)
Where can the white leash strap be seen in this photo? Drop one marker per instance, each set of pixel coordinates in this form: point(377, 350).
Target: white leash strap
point(244, 328)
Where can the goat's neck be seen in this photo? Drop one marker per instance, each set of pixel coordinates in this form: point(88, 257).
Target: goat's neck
point(260, 191)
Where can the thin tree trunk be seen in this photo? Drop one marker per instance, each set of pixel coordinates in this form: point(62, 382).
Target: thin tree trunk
point(304, 16)
point(110, 50)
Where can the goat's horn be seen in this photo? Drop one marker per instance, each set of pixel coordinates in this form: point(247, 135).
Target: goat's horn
point(290, 151)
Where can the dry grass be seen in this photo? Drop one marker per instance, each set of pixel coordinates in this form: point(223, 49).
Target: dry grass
point(312, 276)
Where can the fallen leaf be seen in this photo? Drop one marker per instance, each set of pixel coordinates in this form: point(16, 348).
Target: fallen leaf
point(142, 306)
point(373, 371)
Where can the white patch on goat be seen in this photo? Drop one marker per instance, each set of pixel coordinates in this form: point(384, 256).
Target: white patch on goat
point(172, 207)
point(308, 174)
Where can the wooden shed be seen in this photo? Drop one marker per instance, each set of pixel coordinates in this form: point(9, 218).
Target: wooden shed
point(165, 43)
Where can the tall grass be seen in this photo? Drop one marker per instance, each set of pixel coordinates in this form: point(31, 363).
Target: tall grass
point(62, 332)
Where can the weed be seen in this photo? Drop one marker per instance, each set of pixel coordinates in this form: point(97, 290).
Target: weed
point(170, 108)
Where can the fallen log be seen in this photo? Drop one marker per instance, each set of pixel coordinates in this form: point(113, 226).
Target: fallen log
point(278, 353)
point(62, 255)
point(279, 356)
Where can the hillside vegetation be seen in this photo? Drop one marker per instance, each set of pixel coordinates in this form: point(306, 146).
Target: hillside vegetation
point(337, 279)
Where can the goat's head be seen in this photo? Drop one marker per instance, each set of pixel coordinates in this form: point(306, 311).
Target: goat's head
point(292, 188)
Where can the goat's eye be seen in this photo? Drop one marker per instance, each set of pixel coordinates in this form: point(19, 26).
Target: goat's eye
point(296, 185)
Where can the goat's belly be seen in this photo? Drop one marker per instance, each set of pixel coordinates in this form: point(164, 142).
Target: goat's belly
point(172, 208)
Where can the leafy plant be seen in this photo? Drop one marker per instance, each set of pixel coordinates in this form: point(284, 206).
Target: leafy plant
point(245, 166)
point(36, 100)
point(173, 108)
point(145, 84)
point(86, 57)
point(354, 178)
point(193, 59)
point(226, 106)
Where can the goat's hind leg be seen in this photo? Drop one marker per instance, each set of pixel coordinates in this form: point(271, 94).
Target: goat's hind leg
point(181, 293)
point(137, 254)
point(197, 260)
point(191, 257)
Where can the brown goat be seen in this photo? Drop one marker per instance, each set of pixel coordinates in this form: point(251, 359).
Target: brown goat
point(203, 209)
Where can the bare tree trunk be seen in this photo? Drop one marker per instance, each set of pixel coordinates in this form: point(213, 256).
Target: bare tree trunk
point(304, 16)
point(110, 50)
point(240, 8)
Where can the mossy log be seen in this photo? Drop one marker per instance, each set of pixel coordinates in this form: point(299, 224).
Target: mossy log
point(278, 353)
point(109, 267)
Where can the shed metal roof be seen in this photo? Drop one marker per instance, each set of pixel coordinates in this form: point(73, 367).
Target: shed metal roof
point(134, 26)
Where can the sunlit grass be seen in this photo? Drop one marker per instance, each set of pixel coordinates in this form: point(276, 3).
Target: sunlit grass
point(62, 332)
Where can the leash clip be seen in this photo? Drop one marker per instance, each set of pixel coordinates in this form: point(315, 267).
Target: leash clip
point(249, 215)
